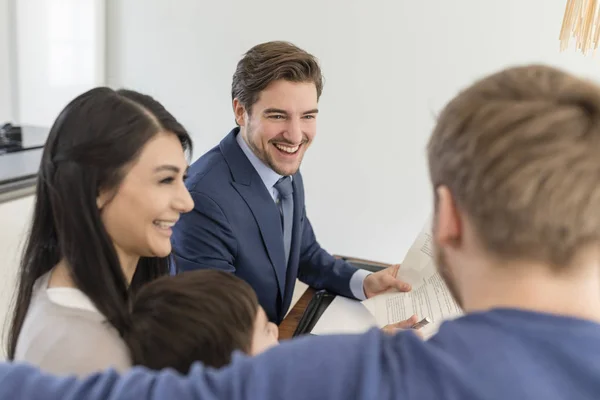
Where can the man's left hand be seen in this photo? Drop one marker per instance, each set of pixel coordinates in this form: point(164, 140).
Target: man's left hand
point(383, 281)
point(402, 326)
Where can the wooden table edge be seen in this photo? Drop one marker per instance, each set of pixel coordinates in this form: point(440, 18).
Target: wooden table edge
point(290, 322)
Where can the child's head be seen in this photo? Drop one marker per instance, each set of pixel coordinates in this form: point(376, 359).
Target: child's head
point(197, 316)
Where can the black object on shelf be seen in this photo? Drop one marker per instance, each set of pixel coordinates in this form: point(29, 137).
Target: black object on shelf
point(11, 138)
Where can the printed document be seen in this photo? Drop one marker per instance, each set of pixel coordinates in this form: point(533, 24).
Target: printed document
point(429, 296)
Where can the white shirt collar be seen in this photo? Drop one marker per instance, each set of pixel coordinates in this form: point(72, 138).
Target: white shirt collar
point(66, 296)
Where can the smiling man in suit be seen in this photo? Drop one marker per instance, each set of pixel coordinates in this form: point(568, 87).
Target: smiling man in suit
point(249, 216)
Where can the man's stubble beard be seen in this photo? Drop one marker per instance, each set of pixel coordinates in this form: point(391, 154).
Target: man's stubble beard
point(446, 273)
point(264, 156)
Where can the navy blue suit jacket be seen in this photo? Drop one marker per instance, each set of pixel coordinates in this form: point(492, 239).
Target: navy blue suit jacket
point(235, 226)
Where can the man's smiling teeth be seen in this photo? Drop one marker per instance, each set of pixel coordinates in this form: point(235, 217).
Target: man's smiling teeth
point(287, 149)
point(164, 224)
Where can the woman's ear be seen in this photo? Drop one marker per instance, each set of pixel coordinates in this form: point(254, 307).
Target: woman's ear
point(101, 199)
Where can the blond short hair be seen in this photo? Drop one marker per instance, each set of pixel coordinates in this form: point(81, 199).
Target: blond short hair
point(520, 152)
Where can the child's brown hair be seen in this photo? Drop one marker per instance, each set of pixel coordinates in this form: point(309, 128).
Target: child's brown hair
point(194, 316)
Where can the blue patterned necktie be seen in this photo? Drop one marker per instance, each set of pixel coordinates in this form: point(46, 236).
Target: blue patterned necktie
point(286, 208)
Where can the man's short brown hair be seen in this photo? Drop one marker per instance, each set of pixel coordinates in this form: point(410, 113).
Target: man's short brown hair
point(193, 316)
point(269, 62)
point(520, 152)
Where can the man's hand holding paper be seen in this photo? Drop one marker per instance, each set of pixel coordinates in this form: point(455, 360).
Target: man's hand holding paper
point(429, 297)
point(386, 281)
point(383, 281)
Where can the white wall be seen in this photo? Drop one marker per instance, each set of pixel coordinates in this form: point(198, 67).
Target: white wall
point(389, 67)
point(6, 110)
point(60, 54)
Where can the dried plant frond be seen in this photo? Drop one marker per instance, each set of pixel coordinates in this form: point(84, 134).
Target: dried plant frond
point(581, 22)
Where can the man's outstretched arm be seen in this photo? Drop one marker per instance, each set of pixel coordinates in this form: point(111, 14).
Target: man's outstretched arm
point(336, 367)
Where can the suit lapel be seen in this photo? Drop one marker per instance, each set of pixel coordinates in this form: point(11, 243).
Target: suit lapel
point(298, 213)
point(248, 184)
point(267, 217)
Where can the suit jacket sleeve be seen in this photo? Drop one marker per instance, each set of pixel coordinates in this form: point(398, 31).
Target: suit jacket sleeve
point(363, 367)
point(203, 238)
point(320, 269)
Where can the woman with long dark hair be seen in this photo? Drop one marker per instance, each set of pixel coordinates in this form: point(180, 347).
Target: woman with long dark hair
point(110, 187)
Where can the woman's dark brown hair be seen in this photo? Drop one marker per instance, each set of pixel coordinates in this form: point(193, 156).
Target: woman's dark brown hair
point(193, 316)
